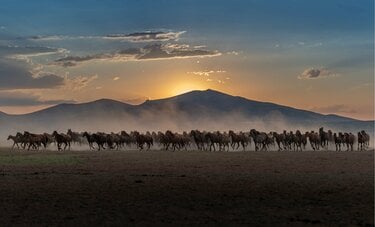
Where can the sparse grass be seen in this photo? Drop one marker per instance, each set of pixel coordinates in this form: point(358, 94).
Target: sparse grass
point(39, 159)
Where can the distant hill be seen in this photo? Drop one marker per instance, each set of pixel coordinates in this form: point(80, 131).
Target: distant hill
point(209, 109)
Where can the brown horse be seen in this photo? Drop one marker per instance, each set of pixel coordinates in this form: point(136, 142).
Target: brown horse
point(349, 140)
point(142, 139)
point(75, 136)
point(363, 140)
point(199, 139)
point(62, 139)
point(17, 139)
point(35, 140)
point(259, 138)
point(238, 139)
point(314, 139)
point(339, 139)
point(90, 139)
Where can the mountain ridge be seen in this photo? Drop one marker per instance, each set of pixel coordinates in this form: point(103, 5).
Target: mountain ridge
point(191, 96)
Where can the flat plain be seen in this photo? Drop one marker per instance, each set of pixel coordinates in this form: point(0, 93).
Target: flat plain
point(186, 188)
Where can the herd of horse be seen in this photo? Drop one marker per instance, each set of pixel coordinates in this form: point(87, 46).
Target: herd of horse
point(195, 139)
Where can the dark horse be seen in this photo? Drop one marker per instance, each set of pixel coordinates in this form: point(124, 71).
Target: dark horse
point(61, 139)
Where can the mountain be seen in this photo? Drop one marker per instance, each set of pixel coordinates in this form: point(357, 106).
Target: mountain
point(207, 109)
point(214, 102)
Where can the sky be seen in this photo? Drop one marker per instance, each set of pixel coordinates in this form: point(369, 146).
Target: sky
point(316, 55)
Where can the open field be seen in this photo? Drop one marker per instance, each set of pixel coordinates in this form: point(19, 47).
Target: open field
point(185, 188)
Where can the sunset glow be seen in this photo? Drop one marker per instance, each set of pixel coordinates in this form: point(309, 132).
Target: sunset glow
point(280, 60)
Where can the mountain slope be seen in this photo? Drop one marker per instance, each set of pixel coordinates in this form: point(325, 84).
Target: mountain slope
point(214, 102)
point(196, 109)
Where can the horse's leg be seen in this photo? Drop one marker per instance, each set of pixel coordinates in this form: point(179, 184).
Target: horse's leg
point(264, 147)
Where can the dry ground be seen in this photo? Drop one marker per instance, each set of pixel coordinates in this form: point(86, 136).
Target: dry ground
point(186, 188)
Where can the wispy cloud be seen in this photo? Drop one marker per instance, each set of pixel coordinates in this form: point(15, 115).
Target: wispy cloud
point(78, 83)
point(149, 52)
point(14, 51)
point(208, 75)
point(115, 78)
point(316, 73)
point(15, 75)
point(206, 72)
point(137, 37)
point(42, 38)
point(18, 70)
point(233, 52)
point(147, 36)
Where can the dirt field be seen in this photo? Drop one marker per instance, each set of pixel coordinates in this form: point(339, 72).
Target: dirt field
point(186, 188)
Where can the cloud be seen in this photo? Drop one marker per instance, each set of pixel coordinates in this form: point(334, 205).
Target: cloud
point(146, 36)
point(14, 98)
point(59, 37)
point(339, 108)
point(116, 78)
point(206, 72)
point(207, 75)
point(316, 73)
point(12, 51)
point(148, 52)
point(17, 70)
point(233, 53)
point(159, 51)
point(78, 83)
point(48, 38)
point(14, 75)
point(137, 37)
